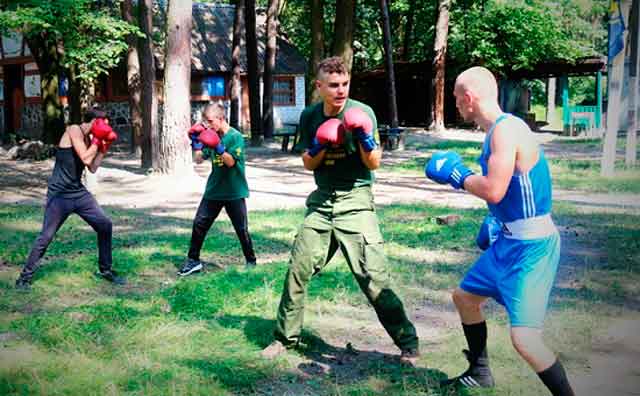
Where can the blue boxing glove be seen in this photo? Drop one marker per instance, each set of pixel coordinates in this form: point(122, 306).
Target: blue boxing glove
point(490, 229)
point(447, 167)
point(196, 144)
point(316, 147)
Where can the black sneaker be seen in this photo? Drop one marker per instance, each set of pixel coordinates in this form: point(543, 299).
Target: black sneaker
point(190, 267)
point(478, 375)
point(23, 284)
point(409, 356)
point(251, 264)
point(111, 276)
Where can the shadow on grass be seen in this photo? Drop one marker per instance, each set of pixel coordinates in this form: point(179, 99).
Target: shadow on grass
point(340, 366)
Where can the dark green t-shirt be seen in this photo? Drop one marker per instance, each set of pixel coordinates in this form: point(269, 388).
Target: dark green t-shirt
point(227, 183)
point(342, 167)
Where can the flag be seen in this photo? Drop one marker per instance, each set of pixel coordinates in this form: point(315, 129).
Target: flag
point(616, 29)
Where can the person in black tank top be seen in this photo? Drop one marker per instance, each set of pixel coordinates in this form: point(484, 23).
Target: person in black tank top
point(81, 146)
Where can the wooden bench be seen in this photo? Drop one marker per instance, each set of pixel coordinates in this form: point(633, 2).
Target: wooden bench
point(288, 130)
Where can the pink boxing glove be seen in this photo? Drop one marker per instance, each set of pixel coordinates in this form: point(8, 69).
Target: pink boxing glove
point(357, 121)
point(330, 132)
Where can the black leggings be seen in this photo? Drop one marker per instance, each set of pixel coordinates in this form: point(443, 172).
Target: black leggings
point(207, 213)
point(56, 213)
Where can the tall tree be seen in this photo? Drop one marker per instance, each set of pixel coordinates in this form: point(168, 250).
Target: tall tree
point(343, 31)
point(236, 82)
point(408, 30)
point(440, 50)
point(388, 55)
point(253, 74)
point(71, 38)
point(269, 66)
point(148, 78)
point(133, 81)
point(632, 129)
point(173, 154)
point(317, 48)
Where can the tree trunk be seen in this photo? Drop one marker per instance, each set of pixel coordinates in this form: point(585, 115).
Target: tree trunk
point(317, 49)
point(550, 115)
point(388, 57)
point(632, 130)
point(75, 96)
point(48, 58)
point(174, 153)
point(269, 66)
point(236, 83)
point(148, 76)
point(133, 82)
point(343, 31)
point(408, 30)
point(440, 50)
point(253, 73)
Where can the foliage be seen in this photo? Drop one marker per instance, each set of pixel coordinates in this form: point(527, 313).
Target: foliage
point(92, 41)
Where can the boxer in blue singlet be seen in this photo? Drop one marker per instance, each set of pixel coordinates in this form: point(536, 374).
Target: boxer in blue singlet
point(520, 262)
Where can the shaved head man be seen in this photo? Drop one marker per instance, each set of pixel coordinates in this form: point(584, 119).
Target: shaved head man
point(521, 242)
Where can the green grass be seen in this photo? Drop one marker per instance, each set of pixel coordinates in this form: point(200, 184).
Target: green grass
point(74, 334)
point(567, 174)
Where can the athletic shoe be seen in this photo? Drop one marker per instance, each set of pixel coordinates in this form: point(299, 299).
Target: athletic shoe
point(274, 349)
point(111, 276)
point(251, 264)
point(23, 284)
point(478, 375)
point(409, 356)
point(190, 267)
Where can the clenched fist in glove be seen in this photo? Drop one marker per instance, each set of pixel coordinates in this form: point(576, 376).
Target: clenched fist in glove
point(447, 167)
point(103, 135)
point(194, 134)
point(211, 139)
point(355, 120)
point(330, 132)
point(489, 232)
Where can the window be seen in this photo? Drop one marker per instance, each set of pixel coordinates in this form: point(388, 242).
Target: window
point(284, 91)
point(204, 88)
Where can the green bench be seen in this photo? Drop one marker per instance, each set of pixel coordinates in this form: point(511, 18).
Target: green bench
point(287, 131)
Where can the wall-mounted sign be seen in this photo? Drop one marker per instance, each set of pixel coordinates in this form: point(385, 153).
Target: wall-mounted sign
point(12, 44)
point(32, 86)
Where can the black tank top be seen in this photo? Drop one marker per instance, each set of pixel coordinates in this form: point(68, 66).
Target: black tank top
point(65, 179)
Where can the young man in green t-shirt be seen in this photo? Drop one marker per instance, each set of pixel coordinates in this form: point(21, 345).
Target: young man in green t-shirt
point(338, 136)
point(227, 185)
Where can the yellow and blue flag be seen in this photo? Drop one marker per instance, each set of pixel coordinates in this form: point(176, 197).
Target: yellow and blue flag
point(616, 29)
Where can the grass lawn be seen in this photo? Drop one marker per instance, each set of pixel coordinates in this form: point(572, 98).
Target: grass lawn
point(568, 173)
point(201, 335)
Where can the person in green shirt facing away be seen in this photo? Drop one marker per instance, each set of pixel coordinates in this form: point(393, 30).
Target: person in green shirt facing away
point(226, 187)
point(338, 136)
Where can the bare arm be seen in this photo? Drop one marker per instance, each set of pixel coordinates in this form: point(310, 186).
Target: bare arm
point(86, 154)
point(311, 163)
point(372, 158)
point(493, 186)
point(97, 161)
point(228, 160)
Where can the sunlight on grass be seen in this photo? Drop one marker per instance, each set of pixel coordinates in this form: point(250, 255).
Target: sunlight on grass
point(201, 335)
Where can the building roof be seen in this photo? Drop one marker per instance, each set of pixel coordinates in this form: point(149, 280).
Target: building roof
point(211, 39)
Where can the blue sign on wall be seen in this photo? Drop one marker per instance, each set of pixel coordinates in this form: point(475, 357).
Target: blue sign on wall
point(213, 85)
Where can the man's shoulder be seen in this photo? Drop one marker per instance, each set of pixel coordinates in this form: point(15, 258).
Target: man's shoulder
point(359, 104)
point(311, 109)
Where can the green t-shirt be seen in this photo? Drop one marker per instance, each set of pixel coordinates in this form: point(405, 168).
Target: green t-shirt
point(342, 167)
point(226, 183)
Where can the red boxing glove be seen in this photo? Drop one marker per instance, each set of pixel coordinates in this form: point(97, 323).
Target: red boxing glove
point(196, 128)
point(104, 145)
point(330, 132)
point(100, 129)
point(209, 138)
point(355, 119)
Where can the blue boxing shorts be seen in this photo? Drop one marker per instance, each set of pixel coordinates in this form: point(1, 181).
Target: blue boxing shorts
point(519, 274)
